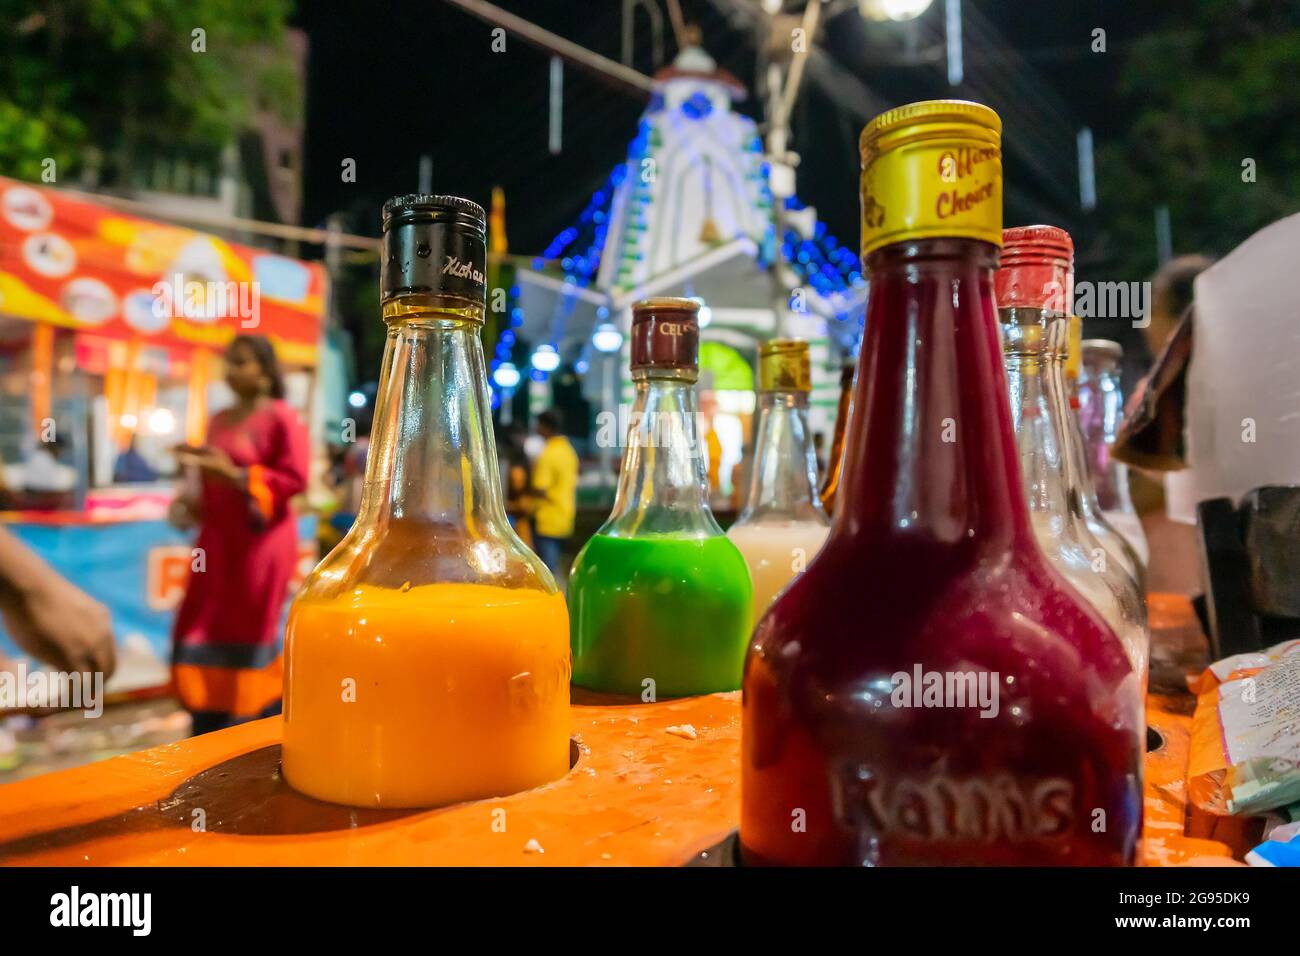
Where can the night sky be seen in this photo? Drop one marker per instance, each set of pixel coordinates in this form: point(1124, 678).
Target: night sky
point(391, 80)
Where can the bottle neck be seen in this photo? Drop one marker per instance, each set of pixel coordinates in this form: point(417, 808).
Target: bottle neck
point(432, 458)
point(1036, 341)
point(932, 454)
point(1101, 411)
point(663, 486)
point(783, 484)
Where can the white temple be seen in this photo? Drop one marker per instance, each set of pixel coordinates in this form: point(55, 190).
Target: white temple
point(689, 213)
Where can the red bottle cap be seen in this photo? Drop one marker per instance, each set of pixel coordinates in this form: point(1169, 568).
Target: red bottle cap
point(666, 334)
point(1037, 269)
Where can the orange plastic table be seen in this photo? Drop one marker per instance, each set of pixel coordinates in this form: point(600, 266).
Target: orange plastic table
point(652, 785)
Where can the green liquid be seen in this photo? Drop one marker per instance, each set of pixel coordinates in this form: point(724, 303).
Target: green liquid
point(677, 610)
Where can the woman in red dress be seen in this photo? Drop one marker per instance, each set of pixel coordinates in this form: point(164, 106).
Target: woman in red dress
point(226, 639)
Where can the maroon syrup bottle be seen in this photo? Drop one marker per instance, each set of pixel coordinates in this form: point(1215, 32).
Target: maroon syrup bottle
point(930, 690)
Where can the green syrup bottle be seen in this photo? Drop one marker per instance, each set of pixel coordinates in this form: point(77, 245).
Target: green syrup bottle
point(660, 601)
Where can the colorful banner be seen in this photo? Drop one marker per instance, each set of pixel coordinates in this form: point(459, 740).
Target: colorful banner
point(139, 570)
point(71, 263)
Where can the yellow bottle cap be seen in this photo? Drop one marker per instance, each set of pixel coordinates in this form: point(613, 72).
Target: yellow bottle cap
point(932, 170)
point(784, 365)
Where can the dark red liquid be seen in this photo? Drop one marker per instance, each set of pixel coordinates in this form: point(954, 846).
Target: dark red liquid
point(931, 562)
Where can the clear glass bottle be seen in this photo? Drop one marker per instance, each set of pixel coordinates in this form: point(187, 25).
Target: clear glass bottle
point(782, 526)
point(427, 656)
point(661, 600)
point(932, 569)
point(835, 466)
point(1100, 414)
point(1033, 285)
point(1116, 545)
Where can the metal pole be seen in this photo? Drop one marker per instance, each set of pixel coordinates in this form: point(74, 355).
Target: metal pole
point(333, 262)
point(553, 43)
point(781, 96)
point(555, 130)
point(610, 402)
point(1164, 235)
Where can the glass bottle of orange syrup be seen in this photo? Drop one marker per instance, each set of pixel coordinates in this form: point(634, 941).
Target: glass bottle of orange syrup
point(427, 656)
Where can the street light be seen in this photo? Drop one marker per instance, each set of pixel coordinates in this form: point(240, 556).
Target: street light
point(607, 338)
point(546, 359)
point(162, 421)
point(506, 376)
point(896, 10)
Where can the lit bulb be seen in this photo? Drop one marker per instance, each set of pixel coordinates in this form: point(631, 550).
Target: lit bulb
point(546, 359)
point(705, 315)
point(896, 10)
point(162, 421)
point(506, 375)
point(607, 338)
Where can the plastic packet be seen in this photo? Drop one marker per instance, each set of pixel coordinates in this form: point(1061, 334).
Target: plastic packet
point(1245, 753)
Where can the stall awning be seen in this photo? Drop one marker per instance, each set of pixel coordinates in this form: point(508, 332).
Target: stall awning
point(67, 261)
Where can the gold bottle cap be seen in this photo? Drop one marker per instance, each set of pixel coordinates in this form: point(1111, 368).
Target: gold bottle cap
point(784, 365)
point(932, 170)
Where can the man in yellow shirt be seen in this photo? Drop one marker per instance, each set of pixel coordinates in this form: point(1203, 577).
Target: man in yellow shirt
point(553, 492)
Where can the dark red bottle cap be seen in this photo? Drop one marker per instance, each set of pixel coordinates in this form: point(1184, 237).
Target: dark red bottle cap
point(666, 334)
point(1036, 270)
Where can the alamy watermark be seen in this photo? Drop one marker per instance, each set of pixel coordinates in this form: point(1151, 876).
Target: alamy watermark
point(1103, 300)
point(947, 689)
point(133, 911)
point(179, 298)
point(653, 429)
point(41, 689)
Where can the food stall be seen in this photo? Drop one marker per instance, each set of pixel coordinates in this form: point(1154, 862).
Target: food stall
point(111, 331)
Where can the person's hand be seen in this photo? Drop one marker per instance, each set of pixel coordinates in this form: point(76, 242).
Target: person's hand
point(57, 622)
point(209, 460)
point(183, 513)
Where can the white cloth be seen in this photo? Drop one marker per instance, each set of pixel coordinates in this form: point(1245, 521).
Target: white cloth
point(1243, 405)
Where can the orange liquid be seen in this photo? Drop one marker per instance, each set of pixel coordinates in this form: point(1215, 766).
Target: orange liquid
point(425, 697)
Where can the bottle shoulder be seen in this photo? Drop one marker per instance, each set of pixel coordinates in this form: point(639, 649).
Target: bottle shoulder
point(706, 559)
point(402, 555)
point(888, 611)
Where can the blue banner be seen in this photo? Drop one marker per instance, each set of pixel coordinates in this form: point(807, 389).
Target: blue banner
point(138, 569)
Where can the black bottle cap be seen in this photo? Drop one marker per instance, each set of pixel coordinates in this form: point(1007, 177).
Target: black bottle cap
point(433, 244)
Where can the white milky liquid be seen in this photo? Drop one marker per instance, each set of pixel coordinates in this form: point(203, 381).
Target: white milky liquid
point(775, 553)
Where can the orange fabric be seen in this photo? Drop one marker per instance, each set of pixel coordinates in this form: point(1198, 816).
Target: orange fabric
point(41, 375)
point(196, 407)
point(260, 492)
point(238, 691)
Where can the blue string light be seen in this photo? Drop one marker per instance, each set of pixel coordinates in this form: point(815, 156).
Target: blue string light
point(821, 261)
